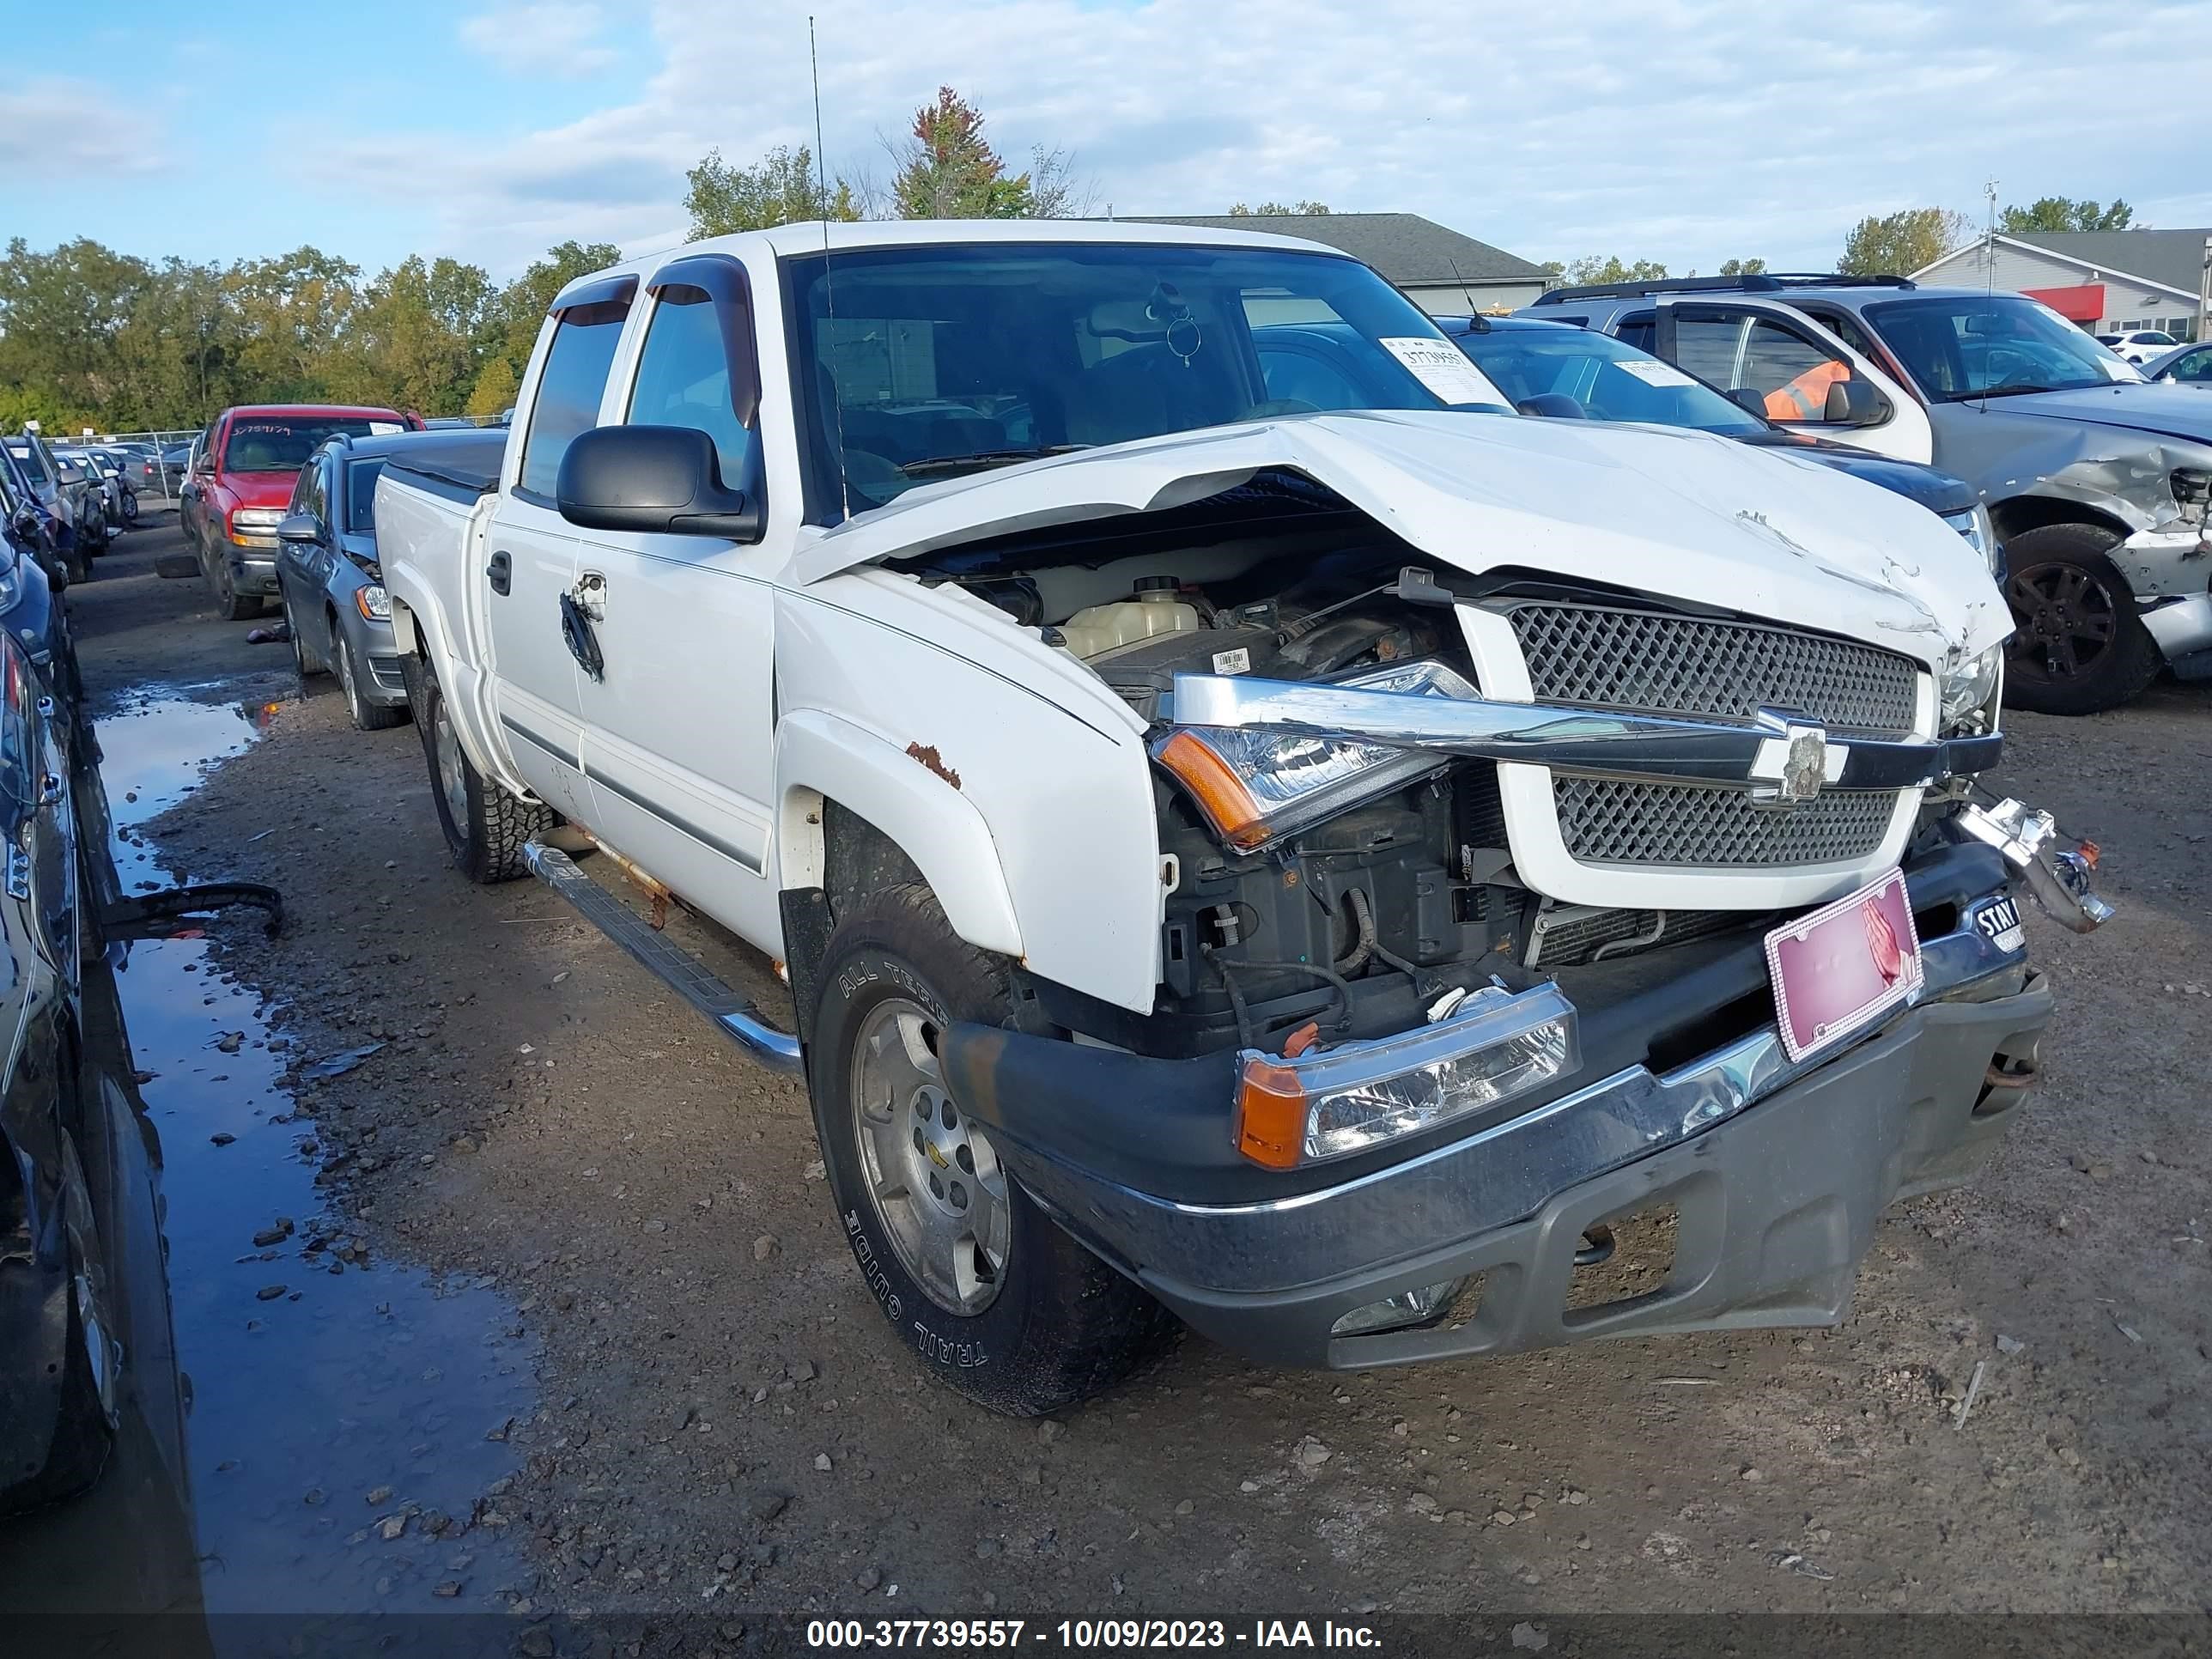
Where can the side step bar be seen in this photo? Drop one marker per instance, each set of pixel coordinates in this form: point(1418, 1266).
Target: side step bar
point(735, 1017)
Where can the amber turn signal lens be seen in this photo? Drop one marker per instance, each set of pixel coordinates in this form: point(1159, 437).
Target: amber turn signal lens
point(1216, 787)
point(1271, 1114)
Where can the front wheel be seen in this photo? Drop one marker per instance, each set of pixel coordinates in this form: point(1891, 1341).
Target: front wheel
point(2080, 646)
point(231, 605)
point(486, 827)
point(998, 1301)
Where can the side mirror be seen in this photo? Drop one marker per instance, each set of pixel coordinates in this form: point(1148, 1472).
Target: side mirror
point(299, 528)
point(1747, 398)
point(1553, 405)
point(665, 479)
point(1855, 402)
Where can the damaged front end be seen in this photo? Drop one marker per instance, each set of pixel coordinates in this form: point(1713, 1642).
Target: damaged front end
point(1465, 968)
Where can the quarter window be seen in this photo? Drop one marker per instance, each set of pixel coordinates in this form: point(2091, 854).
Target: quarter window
point(683, 378)
point(569, 391)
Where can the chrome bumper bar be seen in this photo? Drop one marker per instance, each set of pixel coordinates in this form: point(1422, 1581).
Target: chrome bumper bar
point(1780, 750)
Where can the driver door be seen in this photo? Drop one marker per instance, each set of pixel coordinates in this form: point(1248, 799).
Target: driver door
point(1788, 361)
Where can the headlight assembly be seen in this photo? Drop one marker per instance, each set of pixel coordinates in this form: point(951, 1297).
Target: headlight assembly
point(1969, 688)
point(1973, 525)
point(1255, 785)
point(372, 602)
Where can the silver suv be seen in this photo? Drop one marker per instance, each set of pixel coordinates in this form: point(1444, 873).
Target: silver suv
point(2097, 481)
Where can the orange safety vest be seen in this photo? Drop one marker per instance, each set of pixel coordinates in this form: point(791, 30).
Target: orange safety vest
point(1806, 398)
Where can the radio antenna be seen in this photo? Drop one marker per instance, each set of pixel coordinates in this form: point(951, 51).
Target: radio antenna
point(828, 293)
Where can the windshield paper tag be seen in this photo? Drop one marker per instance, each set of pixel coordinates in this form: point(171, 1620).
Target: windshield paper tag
point(1443, 368)
point(384, 428)
point(1652, 372)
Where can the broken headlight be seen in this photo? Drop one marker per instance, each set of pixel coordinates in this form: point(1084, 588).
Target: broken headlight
point(1254, 785)
point(1973, 526)
point(1970, 688)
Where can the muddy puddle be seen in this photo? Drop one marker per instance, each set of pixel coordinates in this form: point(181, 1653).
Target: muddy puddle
point(343, 1447)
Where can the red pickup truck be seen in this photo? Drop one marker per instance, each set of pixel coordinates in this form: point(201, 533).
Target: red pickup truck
point(241, 487)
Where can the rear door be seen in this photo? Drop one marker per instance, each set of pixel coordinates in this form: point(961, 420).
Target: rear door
point(1789, 360)
point(681, 773)
point(529, 557)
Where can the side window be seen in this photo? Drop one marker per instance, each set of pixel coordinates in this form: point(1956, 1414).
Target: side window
point(1848, 329)
point(569, 391)
point(1790, 373)
point(683, 377)
point(1640, 330)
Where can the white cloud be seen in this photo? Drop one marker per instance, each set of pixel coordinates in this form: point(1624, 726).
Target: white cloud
point(51, 124)
point(558, 38)
point(1687, 130)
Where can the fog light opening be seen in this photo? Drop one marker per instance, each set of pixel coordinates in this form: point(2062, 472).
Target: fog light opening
point(1446, 1305)
point(1624, 1259)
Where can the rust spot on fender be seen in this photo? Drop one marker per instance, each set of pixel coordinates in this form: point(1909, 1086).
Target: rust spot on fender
point(927, 754)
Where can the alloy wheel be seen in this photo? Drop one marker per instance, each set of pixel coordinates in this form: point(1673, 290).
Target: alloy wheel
point(452, 775)
point(933, 1179)
point(2068, 619)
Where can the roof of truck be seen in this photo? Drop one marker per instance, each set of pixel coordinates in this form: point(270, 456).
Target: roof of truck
point(793, 241)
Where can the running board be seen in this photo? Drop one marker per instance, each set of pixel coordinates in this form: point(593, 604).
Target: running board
point(735, 1017)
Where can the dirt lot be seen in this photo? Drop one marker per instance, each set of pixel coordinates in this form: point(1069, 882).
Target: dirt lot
point(723, 1418)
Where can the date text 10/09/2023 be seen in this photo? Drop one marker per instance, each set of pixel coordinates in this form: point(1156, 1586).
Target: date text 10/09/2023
point(1086, 1634)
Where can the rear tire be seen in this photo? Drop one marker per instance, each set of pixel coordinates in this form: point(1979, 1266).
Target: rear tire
point(367, 716)
point(82, 1440)
point(1049, 1324)
point(486, 827)
point(2081, 647)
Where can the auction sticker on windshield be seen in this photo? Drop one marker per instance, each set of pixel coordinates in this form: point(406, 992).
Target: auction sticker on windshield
point(1443, 368)
point(1836, 969)
point(1652, 372)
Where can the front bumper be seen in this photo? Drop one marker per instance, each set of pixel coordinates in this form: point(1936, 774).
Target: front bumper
point(1774, 1173)
point(2182, 628)
point(252, 569)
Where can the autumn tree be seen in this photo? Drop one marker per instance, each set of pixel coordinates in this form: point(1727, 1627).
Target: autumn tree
point(1899, 244)
point(2057, 213)
point(781, 188)
point(1605, 268)
point(948, 170)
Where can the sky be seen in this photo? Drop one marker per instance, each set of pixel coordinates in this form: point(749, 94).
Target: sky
point(1688, 131)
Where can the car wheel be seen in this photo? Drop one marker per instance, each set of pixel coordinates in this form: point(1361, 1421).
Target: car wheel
point(304, 657)
point(486, 827)
point(231, 605)
point(2080, 645)
point(1000, 1302)
point(367, 716)
point(82, 1439)
point(130, 511)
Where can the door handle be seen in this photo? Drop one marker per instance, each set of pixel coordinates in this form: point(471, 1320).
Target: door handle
point(501, 572)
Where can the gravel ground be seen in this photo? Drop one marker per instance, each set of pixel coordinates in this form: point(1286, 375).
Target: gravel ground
point(723, 1413)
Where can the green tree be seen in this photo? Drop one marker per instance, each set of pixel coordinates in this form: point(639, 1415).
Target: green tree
point(1605, 268)
point(61, 314)
point(2059, 212)
point(519, 310)
point(781, 188)
point(948, 170)
point(1899, 244)
point(1743, 267)
point(1278, 210)
point(418, 337)
point(496, 388)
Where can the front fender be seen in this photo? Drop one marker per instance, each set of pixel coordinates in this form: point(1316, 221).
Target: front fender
point(819, 756)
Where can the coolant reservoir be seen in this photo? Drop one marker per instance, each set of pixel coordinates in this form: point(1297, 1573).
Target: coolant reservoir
point(1100, 630)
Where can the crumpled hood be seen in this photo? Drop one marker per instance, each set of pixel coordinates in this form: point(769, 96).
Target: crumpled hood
point(1683, 514)
point(2174, 411)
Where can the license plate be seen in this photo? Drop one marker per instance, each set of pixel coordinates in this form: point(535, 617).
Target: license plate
point(1837, 969)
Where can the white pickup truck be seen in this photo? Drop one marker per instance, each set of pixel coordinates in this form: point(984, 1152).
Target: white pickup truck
point(1255, 829)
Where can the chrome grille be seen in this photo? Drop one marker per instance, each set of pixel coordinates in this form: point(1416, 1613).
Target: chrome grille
point(1653, 661)
point(1619, 821)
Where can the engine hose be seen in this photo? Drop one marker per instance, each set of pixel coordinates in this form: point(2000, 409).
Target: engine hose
point(1244, 1037)
point(1363, 918)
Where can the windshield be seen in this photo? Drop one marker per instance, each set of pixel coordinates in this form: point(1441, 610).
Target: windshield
point(276, 443)
point(360, 495)
point(1612, 380)
point(32, 462)
point(940, 361)
point(1992, 345)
